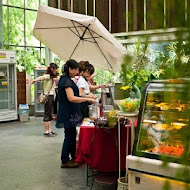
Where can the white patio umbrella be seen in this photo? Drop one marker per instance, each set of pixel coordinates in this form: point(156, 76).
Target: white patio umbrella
point(80, 37)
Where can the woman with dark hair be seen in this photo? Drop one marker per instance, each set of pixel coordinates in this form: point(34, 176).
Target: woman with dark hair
point(69, 115)
point(85, 87)
point(81, 70)
point(49, 89)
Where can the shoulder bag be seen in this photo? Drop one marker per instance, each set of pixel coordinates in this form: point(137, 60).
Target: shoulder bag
point(42, 98)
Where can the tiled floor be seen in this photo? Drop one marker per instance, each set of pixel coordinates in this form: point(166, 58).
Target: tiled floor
point(30, 161)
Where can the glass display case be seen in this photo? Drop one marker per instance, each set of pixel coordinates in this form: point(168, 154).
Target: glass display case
point(8, 85)
point(164, 121)
point(38, 71)
point(161, 149)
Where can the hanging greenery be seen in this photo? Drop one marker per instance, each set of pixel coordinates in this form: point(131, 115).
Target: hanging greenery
point(138, 69)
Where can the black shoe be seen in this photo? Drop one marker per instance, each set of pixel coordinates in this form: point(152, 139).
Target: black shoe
point(48, 135)
point(53, 133)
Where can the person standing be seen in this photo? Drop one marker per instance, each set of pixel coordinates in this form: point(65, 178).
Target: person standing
point(49, 89)
point(69, 115)
point(55, 99)
point(85, 87)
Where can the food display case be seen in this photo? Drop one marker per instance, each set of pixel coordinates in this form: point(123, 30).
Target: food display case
point(161, 151)
point(38, 89)
point(8, 86)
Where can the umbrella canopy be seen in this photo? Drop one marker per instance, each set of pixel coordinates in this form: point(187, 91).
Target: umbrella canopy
point(80, 37)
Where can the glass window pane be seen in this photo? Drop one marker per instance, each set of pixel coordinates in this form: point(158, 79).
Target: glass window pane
point(30, 21)
point(44, 2)
point(16, 26)
point(42, 45)
point(32, 4)
point(8, 47)
point(5, 32)
point(58, 61)
point(32, 59)
point(16, 3)
point(4, 2)
point(43, 56)
point(20, 56)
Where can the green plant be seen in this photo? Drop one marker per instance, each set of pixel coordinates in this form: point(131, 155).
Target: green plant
point(138, 69)
point(176, 64)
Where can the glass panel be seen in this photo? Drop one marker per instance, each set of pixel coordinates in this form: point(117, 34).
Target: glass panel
point(32, 4)
point(5, 25)
point(20, 55)
point(4, 2)
point(58, 61)
point(30, 21)
point(42, 45)
point(165, 120)
point(8, 47)
point(39, 90)
point(99, 79)
point(16, 3)
point(3, 86)
point(32, 59)
point(16, 26)
point(43, 56)
point(11, 104)
point(44, 2)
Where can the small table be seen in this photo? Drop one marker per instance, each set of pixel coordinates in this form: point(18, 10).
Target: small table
point(98, 148)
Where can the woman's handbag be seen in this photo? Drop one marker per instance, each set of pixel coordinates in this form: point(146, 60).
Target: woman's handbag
point(42, 98)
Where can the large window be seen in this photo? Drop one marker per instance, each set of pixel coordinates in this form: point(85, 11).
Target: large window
point(18, 21)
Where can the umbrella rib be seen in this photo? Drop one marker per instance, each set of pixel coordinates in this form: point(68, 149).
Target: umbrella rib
point(70, 28)
point(90, 30)
point(51, 28)
point(73, 22)
point(74, 49)
point(79, 23)
point(74, 32)
point(101, 50)
point(104, 55)
point(89, 41)
point(58, 27)
point(99, 36)
point(86, 28)
point(92, 38)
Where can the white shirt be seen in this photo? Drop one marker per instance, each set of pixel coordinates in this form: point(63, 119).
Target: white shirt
point(82, 83)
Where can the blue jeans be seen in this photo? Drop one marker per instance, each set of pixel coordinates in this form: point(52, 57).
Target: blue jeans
point(69, 145)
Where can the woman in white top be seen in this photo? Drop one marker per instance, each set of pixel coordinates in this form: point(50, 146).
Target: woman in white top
point(49, 89)
point(85, 87)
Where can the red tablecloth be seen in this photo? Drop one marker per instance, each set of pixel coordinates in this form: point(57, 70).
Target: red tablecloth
point(98, 148)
